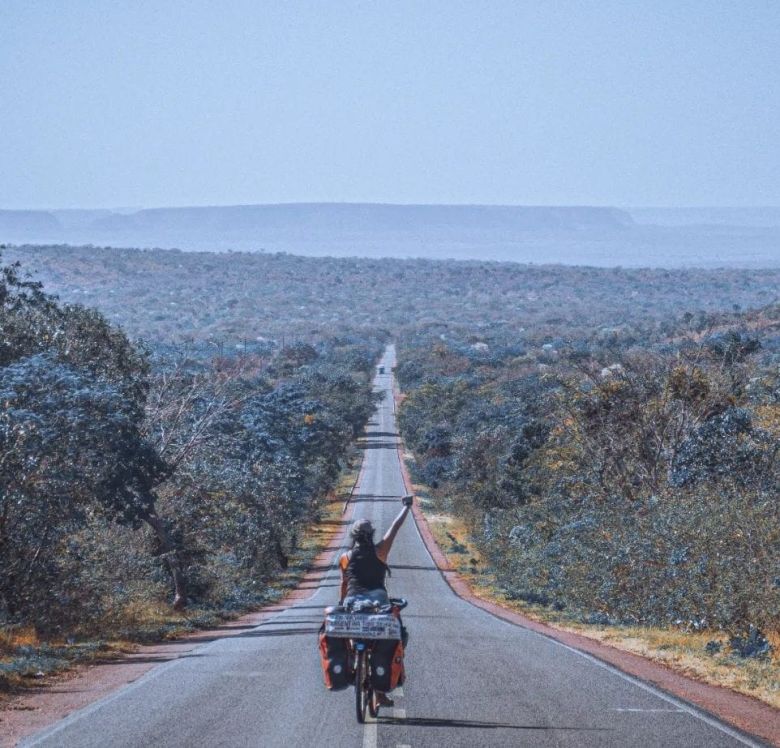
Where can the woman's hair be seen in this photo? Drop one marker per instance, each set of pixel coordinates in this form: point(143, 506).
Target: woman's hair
point(362, 532)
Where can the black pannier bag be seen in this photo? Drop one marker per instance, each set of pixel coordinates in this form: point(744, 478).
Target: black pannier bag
point(386, 667)
point(335, 661)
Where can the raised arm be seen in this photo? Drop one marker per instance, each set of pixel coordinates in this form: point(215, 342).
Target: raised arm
point(386, 543)
point(343, 561)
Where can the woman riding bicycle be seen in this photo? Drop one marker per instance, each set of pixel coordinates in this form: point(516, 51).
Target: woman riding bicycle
point(364, 567)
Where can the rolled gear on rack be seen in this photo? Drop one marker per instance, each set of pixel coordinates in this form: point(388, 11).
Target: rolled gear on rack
point(386, 634)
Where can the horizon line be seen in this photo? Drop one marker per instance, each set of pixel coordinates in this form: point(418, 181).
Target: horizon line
point(136, 209)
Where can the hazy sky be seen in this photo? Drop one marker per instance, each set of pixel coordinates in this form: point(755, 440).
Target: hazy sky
point(130, 103)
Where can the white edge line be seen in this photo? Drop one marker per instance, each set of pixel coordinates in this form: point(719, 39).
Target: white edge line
point(679, 703)
point(369, 737)
point(694, 711)
point(155, 672)
point(369, 733)
point(640, 709)
point(100, 703)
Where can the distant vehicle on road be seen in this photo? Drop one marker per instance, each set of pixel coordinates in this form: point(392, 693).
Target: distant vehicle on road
point(380, 369)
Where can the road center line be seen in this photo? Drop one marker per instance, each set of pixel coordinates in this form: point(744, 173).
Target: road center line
point(369, 733)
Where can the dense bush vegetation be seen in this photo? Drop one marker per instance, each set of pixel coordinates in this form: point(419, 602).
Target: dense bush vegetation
point(235, 298)
point(631, 477)
point(610, 435)
point(125, 470)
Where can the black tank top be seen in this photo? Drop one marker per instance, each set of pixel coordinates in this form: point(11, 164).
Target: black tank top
point(364, 571)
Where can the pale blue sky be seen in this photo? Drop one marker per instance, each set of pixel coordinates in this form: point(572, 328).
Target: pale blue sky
point(133, 103)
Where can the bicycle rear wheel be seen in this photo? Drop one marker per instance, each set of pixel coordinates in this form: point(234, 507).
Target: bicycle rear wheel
point(363, 691)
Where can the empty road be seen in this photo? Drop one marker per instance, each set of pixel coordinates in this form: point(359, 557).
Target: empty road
point(472, 679)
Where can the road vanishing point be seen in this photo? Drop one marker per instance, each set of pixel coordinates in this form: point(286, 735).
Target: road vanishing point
point(471, 679)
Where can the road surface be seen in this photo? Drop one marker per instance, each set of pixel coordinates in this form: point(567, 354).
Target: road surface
point(472, 679)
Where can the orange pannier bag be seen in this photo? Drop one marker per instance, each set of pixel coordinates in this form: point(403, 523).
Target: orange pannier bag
point(335, 661)
point(387, 662)
point(397, 672)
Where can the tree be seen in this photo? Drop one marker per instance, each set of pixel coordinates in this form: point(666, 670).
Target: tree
point(71, 445)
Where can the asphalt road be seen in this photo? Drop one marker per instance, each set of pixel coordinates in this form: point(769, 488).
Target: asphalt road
point(472, 679)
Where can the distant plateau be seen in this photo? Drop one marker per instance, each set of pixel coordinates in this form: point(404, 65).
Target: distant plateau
point(572, 235)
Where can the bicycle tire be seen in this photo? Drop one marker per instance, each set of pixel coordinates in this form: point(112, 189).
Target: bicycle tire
point(373, 710)
point(373, 707)
point(362, 690)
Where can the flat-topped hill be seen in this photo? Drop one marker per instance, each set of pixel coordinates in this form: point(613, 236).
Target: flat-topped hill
point(345, 218)
point(572, 235)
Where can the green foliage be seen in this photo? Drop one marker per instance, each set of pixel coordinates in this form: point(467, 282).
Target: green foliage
point(115, 474)
point(251, 458)
point(630, 481)
point(610, 435)
point(70, 440)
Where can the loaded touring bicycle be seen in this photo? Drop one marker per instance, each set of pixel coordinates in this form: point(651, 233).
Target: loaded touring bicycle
point(363, 645)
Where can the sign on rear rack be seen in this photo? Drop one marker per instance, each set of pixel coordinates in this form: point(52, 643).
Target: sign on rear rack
point(362, 626)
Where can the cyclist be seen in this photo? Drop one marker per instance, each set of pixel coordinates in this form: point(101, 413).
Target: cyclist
point(364, 567)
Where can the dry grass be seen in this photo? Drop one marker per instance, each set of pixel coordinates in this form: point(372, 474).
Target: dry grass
point(768, 417)
point(680, 650)
point(10, 639)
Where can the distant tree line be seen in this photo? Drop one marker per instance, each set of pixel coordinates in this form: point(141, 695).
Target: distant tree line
point(256, 299)
point(607, 433)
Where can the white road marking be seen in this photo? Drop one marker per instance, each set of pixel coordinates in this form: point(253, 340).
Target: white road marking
point(370, 729)
point(399, 692)
point(681, 705)
point(95, 706)
point(157, 671)
point(639, 709)
point(369, 732)
point(370, 726)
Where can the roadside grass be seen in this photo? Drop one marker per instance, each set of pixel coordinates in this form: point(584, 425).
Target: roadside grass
point(683, 651)
point(28, 662)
